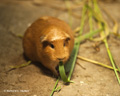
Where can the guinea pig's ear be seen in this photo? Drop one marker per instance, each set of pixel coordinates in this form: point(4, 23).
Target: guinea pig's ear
point(67, 37)
point(43, 39)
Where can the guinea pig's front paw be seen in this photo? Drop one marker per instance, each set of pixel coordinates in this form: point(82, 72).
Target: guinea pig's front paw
point(55, 71)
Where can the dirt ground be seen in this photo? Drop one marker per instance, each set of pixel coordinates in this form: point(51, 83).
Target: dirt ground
point(35, 80)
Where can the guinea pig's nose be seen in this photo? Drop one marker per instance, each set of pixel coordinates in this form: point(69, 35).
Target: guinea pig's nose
point(60, 59)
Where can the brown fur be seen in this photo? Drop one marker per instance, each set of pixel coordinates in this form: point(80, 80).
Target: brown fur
point(48, 40)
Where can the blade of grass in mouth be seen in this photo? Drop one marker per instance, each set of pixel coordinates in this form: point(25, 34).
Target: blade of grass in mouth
point(62, 73)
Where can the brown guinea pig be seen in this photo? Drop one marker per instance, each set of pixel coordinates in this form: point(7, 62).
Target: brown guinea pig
point(48, 40)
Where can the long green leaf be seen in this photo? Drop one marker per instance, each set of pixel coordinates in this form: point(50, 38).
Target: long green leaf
point(62, 73)
point(97, 10)
point(56, 83)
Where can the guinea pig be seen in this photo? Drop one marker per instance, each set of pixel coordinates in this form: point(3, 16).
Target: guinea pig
point(48, 40)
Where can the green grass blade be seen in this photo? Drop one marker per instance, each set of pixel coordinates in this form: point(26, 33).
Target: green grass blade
point(71, 63)
point(57, 89)
point(88, 35)
point(105, 41)
point(111, 59)
point(96, 62)
point(20, 66)
point(62, 72)
point(54, 89)
point(73, 59)
point(83, 19)
point(90, 17)
point(118, 69)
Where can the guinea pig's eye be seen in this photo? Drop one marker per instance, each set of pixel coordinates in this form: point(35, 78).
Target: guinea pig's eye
point(51, 45)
